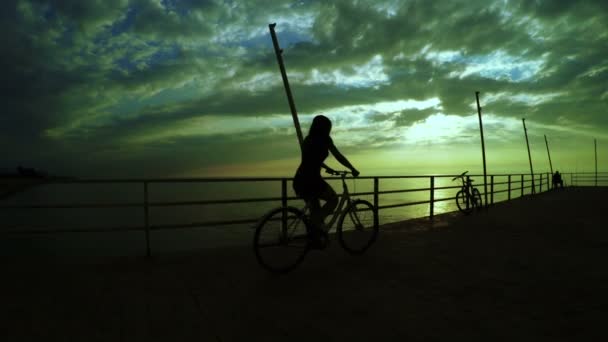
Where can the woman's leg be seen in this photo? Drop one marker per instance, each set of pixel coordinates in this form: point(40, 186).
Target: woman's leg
point(315, 212)
point(331, 201)
point(312, 192)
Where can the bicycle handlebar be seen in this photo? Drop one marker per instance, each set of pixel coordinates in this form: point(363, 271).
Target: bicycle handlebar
point(461, 175)
point(337, 173)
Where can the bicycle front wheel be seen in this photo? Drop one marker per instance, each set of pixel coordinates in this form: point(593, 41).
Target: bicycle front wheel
point(358, 227)
point(477, 202)
point(281, 241)
point(462, 201)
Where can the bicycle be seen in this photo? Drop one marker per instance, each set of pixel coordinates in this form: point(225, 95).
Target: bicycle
point(283, 236)
point(468, 197)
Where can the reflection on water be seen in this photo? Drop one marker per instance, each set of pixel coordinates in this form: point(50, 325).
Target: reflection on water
point(444, 206)
point(183, 239)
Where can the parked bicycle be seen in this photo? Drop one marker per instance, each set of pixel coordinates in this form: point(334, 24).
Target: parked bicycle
point(468, 198)
point(283, 236)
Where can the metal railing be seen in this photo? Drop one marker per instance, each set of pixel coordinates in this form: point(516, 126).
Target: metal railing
point(589, 178)
point(513, 185)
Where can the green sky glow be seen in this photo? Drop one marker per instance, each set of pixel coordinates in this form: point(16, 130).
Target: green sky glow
point(192, 87)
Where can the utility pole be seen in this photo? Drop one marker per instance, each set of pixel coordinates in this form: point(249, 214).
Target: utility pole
point(483, 152)
point(549, 154)
point(595, 144)
point(529, 155)
point(279, 52)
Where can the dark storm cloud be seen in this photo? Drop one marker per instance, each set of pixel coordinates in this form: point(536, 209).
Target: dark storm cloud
point(175, 20)
point(404, 117)
point(408, 117)
point(175, 155)
point(90, 73)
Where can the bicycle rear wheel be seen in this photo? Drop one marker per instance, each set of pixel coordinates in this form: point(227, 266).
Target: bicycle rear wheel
point(477, 202)
point(463, 202)
point(358, 227)
point(281, 240)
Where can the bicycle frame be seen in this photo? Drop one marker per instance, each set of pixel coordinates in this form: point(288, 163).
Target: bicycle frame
point(296, 235)
point(467, 187)
point(471, 194)
point(344, 199)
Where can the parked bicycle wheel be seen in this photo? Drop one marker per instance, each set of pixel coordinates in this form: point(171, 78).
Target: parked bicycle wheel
point(477, 202)
point(358, 227)
point(280, 241)
point(462, 202)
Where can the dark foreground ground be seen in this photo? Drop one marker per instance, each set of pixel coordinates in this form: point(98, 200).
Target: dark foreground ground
point(533, 269)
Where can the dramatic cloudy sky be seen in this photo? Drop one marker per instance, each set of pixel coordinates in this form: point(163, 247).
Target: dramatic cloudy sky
point(192, 87)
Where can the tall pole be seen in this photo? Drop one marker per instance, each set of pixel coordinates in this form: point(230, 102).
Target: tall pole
point(279, 52)
point(529, 155)
point(483, 151)
point(595, 144)
point(549, 154)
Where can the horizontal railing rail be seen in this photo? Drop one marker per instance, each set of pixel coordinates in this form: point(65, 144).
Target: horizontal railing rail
point(513, 184)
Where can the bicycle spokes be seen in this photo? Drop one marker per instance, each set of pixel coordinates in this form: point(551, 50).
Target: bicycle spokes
point(289, 226)
point(357, 220)
point(280, 242)
point(463, 201)
point(358, 229)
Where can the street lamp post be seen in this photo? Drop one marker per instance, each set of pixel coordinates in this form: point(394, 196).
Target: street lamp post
point(483, 151)
point(529, 155)
point(279, 53)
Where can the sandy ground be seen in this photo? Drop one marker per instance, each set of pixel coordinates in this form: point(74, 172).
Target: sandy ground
point(533, 269)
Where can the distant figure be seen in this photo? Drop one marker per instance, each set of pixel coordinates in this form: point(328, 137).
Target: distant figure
point(308, 183)
point(557, 180)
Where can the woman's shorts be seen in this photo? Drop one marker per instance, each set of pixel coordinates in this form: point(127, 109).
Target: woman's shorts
point(309, 187)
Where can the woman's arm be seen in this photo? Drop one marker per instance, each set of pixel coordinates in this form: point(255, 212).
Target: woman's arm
point(342, 159)
point(327, 168)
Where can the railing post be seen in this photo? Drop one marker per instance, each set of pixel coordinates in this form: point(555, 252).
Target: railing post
point(147, 219)
point(485, 193)
point(284, 192)
point(509, 188)
point(376, 189)
point(522, 185)
point(492, 189)
point(547, 183)
point(571, 184)
point(376, 201)
point(540, 183)
point(283, 203)
point(432, 207)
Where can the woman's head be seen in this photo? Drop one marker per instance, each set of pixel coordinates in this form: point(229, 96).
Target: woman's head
point(321, 126)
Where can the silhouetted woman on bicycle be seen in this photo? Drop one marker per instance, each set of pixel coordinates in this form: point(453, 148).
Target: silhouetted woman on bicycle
point(308, 182)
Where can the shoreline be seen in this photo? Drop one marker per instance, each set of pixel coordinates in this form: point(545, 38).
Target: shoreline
point(14, 184)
